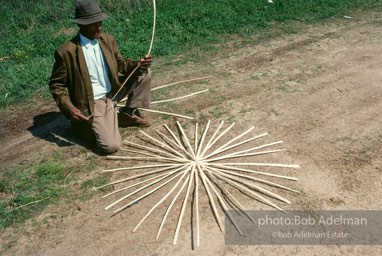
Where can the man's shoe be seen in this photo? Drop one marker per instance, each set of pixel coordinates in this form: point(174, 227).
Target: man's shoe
point(126, 120)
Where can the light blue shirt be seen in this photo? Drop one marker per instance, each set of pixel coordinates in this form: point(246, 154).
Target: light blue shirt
point(98, 70)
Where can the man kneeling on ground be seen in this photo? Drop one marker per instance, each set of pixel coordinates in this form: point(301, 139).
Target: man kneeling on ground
point(87, 73)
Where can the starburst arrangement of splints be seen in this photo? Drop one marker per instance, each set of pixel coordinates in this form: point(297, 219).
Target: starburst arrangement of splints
point(173, 159)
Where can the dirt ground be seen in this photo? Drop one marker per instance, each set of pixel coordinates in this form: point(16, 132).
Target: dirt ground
point(318, 90)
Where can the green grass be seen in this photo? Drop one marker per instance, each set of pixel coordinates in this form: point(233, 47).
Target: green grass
point(87, 190)
point(21, 187)
point(25, 190)
point(32, 30)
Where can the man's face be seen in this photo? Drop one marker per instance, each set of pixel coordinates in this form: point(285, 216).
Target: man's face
point(91, 31)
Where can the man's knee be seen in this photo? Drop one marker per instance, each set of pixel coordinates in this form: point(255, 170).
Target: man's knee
point(110, 148)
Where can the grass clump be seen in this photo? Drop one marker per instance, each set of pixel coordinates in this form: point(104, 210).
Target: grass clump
point(20, 188)
point(25, 191)
point(87, 189)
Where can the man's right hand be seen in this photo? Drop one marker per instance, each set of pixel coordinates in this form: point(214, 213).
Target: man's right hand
point(77, 115)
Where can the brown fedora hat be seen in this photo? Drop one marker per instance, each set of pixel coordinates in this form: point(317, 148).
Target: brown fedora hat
point(88, 12)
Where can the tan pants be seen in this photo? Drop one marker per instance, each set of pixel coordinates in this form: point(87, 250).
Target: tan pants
point(139, 93)
point(104, 128)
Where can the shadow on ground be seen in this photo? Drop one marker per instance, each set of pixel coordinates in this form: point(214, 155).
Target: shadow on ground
point(54, 127)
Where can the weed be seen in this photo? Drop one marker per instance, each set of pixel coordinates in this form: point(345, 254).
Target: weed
point(217, 112)
point(260, 75)
point(274, 112)
point(365, 151)
point(346, 139)
point(283, 88)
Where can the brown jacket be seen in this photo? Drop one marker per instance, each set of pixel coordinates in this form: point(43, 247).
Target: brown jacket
point(70, 82)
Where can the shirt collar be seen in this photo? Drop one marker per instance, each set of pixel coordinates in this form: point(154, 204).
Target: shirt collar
point(87, 42)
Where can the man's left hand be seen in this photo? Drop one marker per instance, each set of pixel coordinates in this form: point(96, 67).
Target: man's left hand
point(145, 62)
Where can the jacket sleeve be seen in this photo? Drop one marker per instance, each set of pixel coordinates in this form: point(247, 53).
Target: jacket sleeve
point(58, 85)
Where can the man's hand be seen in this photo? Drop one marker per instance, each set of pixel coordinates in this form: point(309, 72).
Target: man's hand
point(77, 115)
point(145, 62)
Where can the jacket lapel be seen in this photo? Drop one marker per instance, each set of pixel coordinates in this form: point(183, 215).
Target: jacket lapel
point(107, 54)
